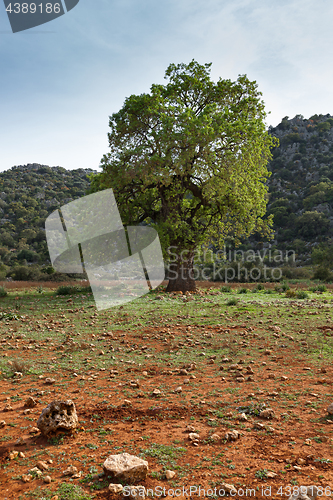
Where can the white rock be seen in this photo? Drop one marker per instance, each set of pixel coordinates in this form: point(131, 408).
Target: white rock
point(169, 474)
point(115, 488)
point(126, 467)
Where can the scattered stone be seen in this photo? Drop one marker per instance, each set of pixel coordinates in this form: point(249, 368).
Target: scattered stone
point(36, 471)
point(232, 435)
point(257, 426)
point(267, 413)
point(2, 424)
point(271, 375)
point(30, 402)
point(8, 407)
point(42, 465)
point(33, 430)
point(58, 416)
point(242, 417)
point(49, 381)
point(126, 467)
point(193, 436)
point(329, 409)
point(169, 474)
point(26, 478)
point(13, 454)
point(227, 488)
point(190, 428)
point(47, 479)
point(156, 392)
point(215, 437)
point(20, 441)
point(70, 471)
point(115, 488)
point(271, 474)
point(178, 389)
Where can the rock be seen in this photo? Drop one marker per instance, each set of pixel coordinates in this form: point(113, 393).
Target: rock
point(115, 488)
point(77, 475)
point(13, 454)
point(267, 413)
point(242, 417)
point(30, 402)
point(271, 474)
point(70, 471)
point(33, 430)
point(193, 436)
point(58, 416)
point(156, 392)
point(330, 409)
point(215, 437)
point(42, 465)
point(35, 471)
point(2, 424)
point(169, 474)
point(126, 467)
point(8, 407)
point(227, 488)
point(178, 389)
point(47, 479)
point(20, 441)
point(49, 381)
point(190, 428)
point(232, 435)
point(257, 426)
point(26, 478)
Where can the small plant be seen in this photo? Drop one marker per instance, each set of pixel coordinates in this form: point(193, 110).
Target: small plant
point(242, 290)
point(261, 474)
point(19, 365)
point(225, 289)
point(9, 315)
point(301, 294)
point(3, 291)
point(232, 302)
point(291, 294)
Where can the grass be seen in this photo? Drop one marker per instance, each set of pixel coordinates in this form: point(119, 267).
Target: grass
point(65, 492)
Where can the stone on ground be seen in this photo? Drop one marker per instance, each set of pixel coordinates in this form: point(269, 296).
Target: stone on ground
point(126, 467)
point(58, 416)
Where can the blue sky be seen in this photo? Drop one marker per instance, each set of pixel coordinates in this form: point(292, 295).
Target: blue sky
point(59, 82)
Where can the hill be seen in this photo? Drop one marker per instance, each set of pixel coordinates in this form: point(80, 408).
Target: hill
point(28, 194)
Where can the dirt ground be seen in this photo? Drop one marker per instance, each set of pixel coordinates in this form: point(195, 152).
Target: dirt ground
point(118, 411)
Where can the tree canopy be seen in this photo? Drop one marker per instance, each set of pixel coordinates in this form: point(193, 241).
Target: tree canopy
point(189, 158)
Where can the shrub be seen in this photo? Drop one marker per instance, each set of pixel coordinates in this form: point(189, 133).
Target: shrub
point(323, 274)
point(301, 294)
point(291, 294)
point(66, 290)
point(3, 291)
point(225, 289)
point(242, 290)
point(232, 302)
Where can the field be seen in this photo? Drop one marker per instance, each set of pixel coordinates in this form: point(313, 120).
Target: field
point(210, 357)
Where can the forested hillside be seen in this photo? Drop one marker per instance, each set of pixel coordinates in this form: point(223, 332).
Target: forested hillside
point(28, 194)
point(300, 199)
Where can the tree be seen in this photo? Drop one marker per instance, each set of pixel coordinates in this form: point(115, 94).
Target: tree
point(189, 158)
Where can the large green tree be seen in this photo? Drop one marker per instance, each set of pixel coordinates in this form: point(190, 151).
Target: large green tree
point(189, 158)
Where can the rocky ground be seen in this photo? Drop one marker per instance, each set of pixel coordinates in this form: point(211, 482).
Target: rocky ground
point(207, 393)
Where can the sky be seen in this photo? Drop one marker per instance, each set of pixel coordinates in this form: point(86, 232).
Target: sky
point(60, 82)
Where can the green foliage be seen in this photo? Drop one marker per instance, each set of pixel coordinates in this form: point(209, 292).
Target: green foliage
point(226, 289)
point(232, 302)
point(179, 155)
point(66, 290)
point(301, 294)
point(243, 290)
point(3, 292)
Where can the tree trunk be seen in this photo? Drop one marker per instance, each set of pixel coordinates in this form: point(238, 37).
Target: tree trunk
point(181, 274)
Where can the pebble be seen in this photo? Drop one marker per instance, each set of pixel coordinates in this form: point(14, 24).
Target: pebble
point(169, 474)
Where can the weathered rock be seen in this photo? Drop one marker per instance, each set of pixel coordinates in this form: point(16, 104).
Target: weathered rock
point(215, 437)
point(115, 488)
point(42, 465)
point(193, 436)
point(169, 474)
point(13, 454)
point(70, 471)
point(330, 409)
point(35, 471)
point(49, 381)
point(190, 428)
point(30, 402)
point(2, 424)
point(126, 467)
point(58, 416)
point(26, 478)
point(267, 413)
point(232, 435)
point(47, 479)
point(242, 417)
